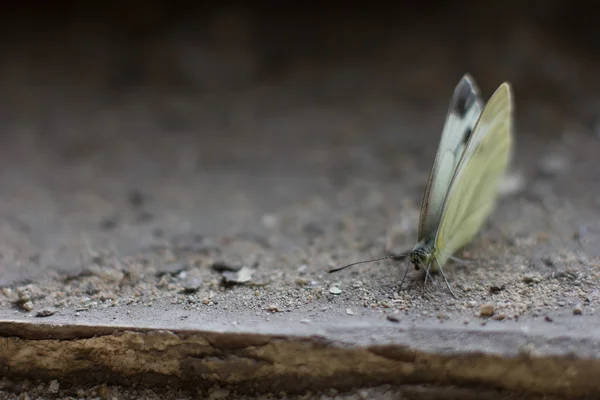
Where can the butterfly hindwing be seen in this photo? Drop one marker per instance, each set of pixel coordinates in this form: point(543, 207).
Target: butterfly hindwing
point(473, 189)
point(465, 108)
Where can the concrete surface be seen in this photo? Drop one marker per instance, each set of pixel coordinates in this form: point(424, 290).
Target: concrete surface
point(121, 207)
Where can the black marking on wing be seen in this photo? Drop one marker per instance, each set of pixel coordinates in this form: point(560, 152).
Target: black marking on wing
point(467, 135)
point(464, 99)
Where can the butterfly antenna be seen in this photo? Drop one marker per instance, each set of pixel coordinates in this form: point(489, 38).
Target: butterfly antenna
point(396, 257)
point(445, 280)
point(405, 273)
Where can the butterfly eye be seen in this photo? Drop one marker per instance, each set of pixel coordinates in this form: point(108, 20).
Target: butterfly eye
point(417, 258)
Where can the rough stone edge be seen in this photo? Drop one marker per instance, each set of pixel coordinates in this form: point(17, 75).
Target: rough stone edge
point(265, 362)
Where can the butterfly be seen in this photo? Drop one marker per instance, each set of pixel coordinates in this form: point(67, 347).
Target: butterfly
point(473, 155)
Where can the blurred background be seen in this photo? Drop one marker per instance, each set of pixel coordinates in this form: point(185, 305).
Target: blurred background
point(245, 106)
point(68, 62)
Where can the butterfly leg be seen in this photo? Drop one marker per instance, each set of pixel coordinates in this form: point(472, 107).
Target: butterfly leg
point(427, 274)
point(444, 275)
point(456, 259)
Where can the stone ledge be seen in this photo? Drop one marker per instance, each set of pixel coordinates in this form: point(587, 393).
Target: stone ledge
point(293, 357)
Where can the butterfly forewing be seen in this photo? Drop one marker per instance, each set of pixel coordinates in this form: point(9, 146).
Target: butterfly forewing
point(465, 108)
point(473, 189)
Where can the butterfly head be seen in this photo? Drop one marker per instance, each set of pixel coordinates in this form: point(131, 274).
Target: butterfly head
point(419, 256)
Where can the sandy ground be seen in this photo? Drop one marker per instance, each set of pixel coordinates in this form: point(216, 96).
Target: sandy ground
point(233, 195)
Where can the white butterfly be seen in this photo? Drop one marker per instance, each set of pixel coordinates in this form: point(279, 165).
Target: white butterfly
point(474, 152)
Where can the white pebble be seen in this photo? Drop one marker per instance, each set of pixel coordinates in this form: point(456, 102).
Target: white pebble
point(335, 290)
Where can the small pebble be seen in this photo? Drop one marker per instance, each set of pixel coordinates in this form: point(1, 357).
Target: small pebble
point(578, 309)
point(241, 276)
point(531, 279)
point(192, 284)
point(548, 319)
point(494, 289)
point(54, 386)
point(105, 393)
point(27, 306)
point(392, 318)
point(349, 311)
point(23, 295)
point(471, 304)
point(487, 310)
point(219, 393)
point(335, 290)
point(302, 269)
point(222, 266)
point(46, 312)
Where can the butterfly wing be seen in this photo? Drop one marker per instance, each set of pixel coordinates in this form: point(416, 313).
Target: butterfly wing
point(473, 190)
point(465, 108)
